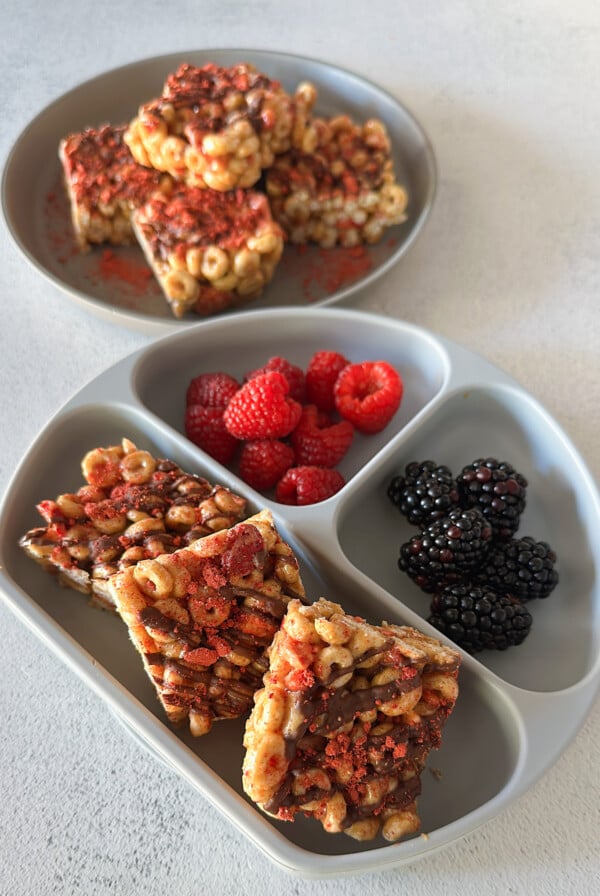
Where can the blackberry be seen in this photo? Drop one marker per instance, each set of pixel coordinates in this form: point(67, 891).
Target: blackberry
point(522, 567)
point(447, 550)
point(478, 618)
point(425, 493)
point(497, 489)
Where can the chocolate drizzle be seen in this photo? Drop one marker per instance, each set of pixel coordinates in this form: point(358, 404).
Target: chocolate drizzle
point(78, 549)
point(188, 677)
point(395, 747)
point(203, 90)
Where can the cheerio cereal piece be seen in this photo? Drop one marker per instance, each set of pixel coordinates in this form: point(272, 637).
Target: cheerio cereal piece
point(345, 721)
point(340, 188)
point(219, 127)
point(133, 506)
point(209, 250)
point(104, 184)
point(203, 617)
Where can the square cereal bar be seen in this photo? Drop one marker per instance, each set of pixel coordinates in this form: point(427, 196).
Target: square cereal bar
point(132, 507)
point(209, 250)
point(104, 184)
point(219, 127)
point(343, 726)
point(203, 617)
point(340, 188)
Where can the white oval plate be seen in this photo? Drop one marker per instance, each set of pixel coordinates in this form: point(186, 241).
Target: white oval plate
point(37, 214)
point(517, 709)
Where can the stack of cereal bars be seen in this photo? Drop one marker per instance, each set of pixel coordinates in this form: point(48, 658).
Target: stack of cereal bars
point(216, 174)
point(340, 714)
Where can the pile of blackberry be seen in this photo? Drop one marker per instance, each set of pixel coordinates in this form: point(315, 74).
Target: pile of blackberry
point(467, 554)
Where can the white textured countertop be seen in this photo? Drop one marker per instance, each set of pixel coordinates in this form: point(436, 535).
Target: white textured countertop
point(508, 265)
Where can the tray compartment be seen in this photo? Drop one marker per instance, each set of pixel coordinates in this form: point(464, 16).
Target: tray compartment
point(101, 641)
point(241, 344)
point(504, 423)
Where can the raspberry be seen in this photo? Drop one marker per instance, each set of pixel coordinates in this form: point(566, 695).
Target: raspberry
point(205, 427)
point(368, 394)
point(308, 485)
point(263, 463)
point(262, 409)
point(321, 374)
point(293, 374)
point(317, 444)
point(213, 390)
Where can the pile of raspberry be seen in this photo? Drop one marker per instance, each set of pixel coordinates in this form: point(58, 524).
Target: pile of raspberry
point(468, 554)
point(286, 429)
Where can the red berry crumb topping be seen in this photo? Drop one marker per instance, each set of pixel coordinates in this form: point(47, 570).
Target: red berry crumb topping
point(262, 408)
point(321, 374)
point(263, 462)
point(319, 442)
point(205, 427)
point(368, 394)
point(293, 374)
point(308, 485)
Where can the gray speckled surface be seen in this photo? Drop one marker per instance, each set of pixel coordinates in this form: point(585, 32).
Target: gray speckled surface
point(508, 266)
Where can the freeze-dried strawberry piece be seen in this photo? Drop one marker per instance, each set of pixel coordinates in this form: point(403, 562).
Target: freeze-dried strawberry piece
point(263, 462)
point(368, 395)
point(244, 550)
point(321, 374)
point(293, 374)
point(308, 485)
point(318, 443)
point(206, 428)
point(213, 390)
point(262, 408)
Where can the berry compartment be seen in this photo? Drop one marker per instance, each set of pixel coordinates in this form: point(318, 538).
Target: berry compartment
point(504, 423)
point(162, 374)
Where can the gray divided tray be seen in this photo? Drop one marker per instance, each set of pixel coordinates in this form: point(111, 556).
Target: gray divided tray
point(517, 710)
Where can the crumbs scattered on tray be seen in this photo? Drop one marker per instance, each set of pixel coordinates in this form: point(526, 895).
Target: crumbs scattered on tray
point(134, 273)
point(324, 271)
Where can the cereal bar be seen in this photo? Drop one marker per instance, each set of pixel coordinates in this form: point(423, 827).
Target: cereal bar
point(104, 184)
point(219, 127)
point(203, 617)
point(133, 507)
point(343, 726)
point(209, 250)
point(341, 188)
